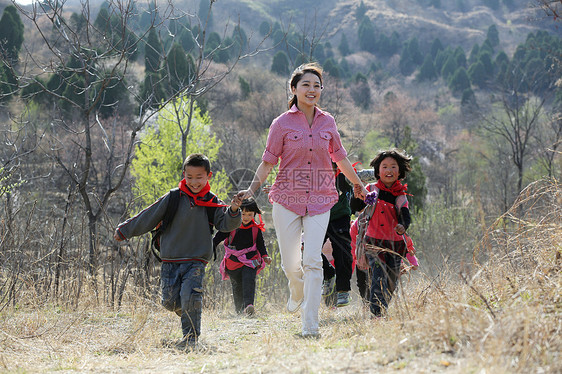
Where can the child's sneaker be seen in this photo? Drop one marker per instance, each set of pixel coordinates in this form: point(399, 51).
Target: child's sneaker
point(250, 310)
point(328, 286)
point(343, 299)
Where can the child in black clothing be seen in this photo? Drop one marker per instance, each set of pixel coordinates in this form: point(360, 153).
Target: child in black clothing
point(337, 232)
point(245, 255)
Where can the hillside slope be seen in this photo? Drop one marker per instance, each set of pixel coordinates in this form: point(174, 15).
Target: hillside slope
point(407, 17)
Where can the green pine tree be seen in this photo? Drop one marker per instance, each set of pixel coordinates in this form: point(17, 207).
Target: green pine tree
point(436, 46)
point(11, 31)
point(477, 74)
point(245, 88)
point(427, 70)
point(152, 52)
point(460, 56)
point(180, 68)
point(367, 37)
point(331, 68)
point(493, 36)
point(280, 63)
point(360, 11)
point(459, 81)
point(474, 52)
point(264, 28)
point(449, 67)
point(343, 47)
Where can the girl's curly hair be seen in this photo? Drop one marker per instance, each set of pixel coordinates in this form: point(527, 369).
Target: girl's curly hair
point(401, 157)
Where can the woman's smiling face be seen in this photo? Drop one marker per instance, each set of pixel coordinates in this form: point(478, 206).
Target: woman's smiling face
point(308, 90)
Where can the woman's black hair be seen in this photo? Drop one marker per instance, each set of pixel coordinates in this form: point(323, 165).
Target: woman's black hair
point(250, 205)
point(401, 157)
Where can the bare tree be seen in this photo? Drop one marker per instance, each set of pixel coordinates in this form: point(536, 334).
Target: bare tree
point(552, 8)
point(204, 74)
point(516, 121)
point(550, 141)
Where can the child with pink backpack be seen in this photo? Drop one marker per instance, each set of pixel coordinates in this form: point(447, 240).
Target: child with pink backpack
point(245, 256)
point(381, 241)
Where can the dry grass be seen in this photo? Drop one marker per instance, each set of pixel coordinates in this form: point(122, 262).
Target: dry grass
point(501, 314)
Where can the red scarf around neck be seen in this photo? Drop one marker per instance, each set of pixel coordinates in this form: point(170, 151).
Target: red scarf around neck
point(203, 198)
point(396, 189)
point(260, 226)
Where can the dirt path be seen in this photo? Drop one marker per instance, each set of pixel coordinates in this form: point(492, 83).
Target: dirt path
point(138, 339)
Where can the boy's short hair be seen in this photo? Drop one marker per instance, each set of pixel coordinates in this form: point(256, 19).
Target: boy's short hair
point(250, 205)
point(197, 159)
point(401, 157)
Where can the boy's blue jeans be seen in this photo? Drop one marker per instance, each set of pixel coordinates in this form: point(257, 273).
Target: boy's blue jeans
point(182, 293)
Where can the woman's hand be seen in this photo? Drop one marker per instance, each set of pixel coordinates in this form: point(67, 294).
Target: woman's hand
point(360, 191)
point(244, 194)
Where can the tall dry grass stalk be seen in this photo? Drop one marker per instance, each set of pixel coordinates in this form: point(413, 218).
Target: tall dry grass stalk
point(503, 311)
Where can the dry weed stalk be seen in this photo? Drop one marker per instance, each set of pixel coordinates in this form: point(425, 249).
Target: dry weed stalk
point(504, 310)
point(519, 282)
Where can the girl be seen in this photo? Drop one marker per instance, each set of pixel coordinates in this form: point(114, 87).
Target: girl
point(244, 256)
point(306, 141)
point(387, 226)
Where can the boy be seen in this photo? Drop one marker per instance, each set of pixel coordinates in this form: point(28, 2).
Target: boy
point(186, 244)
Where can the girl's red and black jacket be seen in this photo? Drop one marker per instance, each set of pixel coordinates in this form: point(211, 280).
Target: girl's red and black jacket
point(385, 219)
point(243, 238)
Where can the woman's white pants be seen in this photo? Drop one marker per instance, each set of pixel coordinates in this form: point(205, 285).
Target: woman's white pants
point(302, 268)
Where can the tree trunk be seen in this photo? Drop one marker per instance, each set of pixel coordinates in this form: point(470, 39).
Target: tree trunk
point(60, 255)
point(92, 243)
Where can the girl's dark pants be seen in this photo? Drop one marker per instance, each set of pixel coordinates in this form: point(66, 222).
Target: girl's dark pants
point(363, 283)
point(182, 293)
point(385, 270)
point(338, 233)
point(243, 286)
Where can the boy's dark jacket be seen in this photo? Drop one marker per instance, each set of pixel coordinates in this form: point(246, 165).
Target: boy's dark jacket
point(188, 236)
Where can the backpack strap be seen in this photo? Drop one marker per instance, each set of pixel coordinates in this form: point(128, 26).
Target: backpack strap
point(211, 217)
point(172, 207)
point(255, 231)
point(401, 201)
point(230, 238)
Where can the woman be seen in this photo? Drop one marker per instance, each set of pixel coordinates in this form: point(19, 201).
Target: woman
point(306, 140)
